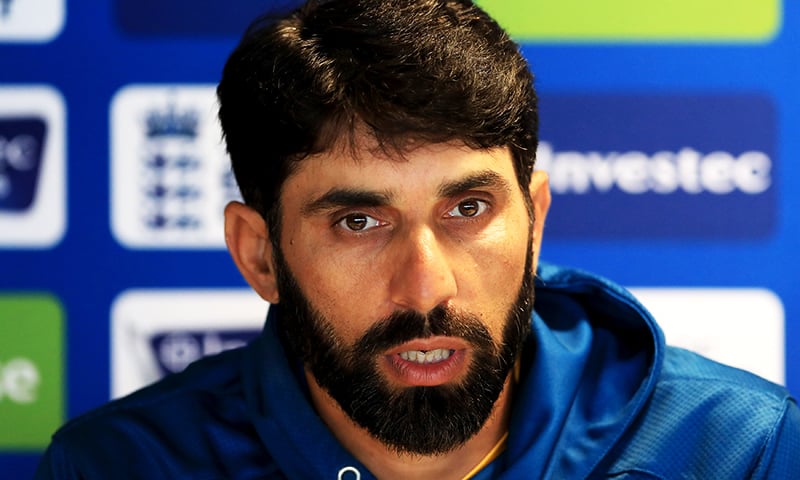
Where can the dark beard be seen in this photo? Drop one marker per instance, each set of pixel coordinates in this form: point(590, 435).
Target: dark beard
point(417, 420)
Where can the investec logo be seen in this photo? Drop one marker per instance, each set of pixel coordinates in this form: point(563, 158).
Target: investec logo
point(663, 172)
point(32, 167)
point(660, 166)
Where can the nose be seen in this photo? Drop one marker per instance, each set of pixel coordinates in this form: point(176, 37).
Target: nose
point(422, 276)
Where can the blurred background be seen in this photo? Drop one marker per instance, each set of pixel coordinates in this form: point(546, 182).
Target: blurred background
point(669, 131)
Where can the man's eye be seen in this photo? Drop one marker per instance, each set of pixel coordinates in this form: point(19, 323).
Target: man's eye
point(358, 222)
point(468, 208)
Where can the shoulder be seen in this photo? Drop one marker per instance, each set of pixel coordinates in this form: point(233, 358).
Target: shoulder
point(709, 419)
point(699, 380)
point(166, 430)
point(211, 377)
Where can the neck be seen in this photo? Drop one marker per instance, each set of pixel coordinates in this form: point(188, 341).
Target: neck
point(385, 462)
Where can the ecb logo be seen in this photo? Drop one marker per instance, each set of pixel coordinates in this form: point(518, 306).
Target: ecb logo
point(661, 166)
point(170, 173)
point(169, 157)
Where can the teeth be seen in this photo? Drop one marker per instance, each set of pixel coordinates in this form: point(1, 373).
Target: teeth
point(430, 356)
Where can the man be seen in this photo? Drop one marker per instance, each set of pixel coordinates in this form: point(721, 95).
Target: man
point(393, 220)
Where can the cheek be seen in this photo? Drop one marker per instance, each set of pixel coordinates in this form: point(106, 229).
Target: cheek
point(504, 247)
point(499, 269)
point(338, 287)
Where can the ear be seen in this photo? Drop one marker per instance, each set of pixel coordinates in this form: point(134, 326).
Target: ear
point(539, 191)
point(247, 237)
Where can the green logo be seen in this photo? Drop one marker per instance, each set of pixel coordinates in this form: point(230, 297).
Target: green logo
point(31, 370)
point(638, 20)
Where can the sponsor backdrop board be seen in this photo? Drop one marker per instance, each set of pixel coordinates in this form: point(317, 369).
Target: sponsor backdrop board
point(667, 129)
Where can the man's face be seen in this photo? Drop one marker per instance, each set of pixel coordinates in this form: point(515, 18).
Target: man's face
point(405, 286)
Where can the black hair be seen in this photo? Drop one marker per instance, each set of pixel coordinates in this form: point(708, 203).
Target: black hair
point(403, 71)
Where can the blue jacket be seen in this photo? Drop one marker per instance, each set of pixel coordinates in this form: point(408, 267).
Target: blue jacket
point(600, 397)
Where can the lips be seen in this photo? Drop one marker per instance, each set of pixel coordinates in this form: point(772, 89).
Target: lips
point(427, 362)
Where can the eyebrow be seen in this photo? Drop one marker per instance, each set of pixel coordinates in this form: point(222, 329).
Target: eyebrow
point(483, 179)
point(351, 197)
point(346, 197)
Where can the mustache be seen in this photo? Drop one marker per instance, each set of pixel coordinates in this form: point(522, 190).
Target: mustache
point(404, 326)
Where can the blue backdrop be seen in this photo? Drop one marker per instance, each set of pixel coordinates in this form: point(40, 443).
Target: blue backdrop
point(674, 161)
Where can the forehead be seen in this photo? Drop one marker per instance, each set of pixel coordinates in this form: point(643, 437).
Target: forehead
point(367, 166)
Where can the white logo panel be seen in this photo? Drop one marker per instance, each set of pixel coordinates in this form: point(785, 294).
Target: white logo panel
point(32, 167)
point(741, 327)
point(31, 20)
point(171, 176)
point(157, 332)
